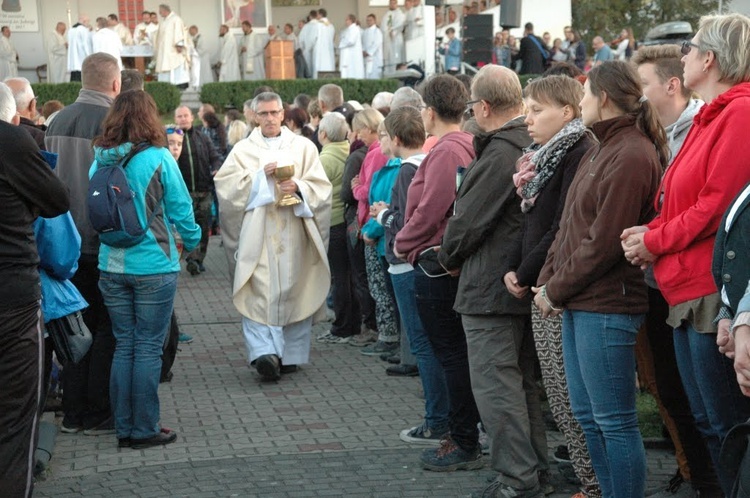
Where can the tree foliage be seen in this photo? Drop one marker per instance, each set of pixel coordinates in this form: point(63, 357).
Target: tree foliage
point(607, 18)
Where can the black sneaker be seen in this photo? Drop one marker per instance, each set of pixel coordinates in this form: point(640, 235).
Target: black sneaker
point(561, 454)
point(192, 267)
point(162, 438)
point(450, 457)
point(422, 434)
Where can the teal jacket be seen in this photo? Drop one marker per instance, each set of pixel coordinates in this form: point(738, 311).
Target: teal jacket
point(154, 178)
point(381, 188)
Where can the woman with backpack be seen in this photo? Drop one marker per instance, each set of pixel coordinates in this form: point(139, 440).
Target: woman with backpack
point(139, 277)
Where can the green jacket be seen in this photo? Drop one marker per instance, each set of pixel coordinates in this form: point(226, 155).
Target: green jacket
point(333, 157)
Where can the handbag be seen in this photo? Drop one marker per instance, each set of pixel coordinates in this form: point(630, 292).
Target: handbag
point(71, 339)
point(352, 232)
point(428, 262)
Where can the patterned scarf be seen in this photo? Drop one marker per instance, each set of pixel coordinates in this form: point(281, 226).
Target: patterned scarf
point(539, 163)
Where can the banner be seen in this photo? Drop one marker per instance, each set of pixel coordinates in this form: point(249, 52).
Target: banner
point(19, 15)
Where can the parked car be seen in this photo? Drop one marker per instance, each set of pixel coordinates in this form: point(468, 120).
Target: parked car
point(669, 33)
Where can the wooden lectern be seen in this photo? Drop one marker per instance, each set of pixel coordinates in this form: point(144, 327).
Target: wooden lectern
point(280, 60)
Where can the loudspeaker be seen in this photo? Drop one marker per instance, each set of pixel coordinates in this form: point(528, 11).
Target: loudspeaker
point(476, 56)
point(510, 13)
point(434, 3)
point(477, 26)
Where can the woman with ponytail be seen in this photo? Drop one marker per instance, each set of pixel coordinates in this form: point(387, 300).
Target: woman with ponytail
point(708, 172)
point(586, 278)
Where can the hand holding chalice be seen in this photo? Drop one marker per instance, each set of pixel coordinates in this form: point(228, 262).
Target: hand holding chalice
point(284, 174)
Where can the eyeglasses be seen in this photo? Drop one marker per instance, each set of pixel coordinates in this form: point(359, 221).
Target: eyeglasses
point(171, 131)
point(687, 45)
point(470, 103)
point(266, 114)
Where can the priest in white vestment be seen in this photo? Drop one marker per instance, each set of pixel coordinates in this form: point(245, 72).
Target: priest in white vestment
point(308, 38)
point(57, 52)
point(107, 41)
point(140, 33)
point(79, 47)
point(206, 74)
point(392, 26)
point(170, 48)
point(8, 56)
point(252, 53)
point(229, 69)
point(277, 254)
point(351, 63)
point(122, 31)
point(324, 53)
point(372, 47)
point(414, 11)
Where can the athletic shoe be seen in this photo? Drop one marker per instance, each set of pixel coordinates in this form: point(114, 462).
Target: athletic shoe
point(192, 267)
point(501, 490)
point(379, 347)
point(185, 338)
point(329, 338)
point(545, 482)
point(450, 457)
point(364, 338)
point(422, 434)
point(402, 371)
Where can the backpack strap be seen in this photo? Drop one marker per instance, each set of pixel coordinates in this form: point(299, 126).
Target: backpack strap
point(538, 44)
point(139, 147)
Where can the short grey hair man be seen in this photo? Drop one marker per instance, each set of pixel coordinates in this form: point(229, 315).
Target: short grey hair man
point(382, 100)
point(334, 126)
point(266, 97)
point(330, 97)
point(406, 96)
point(22, 93)
point(7, 105)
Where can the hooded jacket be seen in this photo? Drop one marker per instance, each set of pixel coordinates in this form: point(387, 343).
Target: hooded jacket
point(677, 132)
point(429, 201)
point(333, 158)
point(706, 175)
point(486, 223)
point(381, 189)
point(154, 178)
point(614, 189)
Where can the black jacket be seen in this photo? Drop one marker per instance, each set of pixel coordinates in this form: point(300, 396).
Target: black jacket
point(36, 132)
point(393, 217)
point(527, 255)
point(731, 267)
point(206, 161)
point(28, 188)
point(532, 60)
point(351, 169)
point(485, 224)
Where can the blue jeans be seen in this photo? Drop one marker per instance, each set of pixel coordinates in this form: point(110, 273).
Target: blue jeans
point(712, 390)
point(599, 357)
point(436, 404)
point(140, 308)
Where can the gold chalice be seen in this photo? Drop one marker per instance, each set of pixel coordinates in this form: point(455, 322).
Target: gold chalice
point(283, 173)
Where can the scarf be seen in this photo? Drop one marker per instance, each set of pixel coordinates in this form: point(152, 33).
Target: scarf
point(539, 163)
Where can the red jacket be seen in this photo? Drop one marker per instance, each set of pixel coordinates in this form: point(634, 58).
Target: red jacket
point(710, 169)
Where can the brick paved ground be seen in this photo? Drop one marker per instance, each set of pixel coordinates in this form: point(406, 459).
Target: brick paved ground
point(329, 430)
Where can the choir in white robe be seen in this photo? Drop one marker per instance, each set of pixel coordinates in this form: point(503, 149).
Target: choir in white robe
point(253, 58)
point(351, 63)
point(277, 255)
point(308, 37)
point(325, 56)
point(8, 58)
point(230, 64)
point(79, 46)
point(57, 61)
point(206, 73)
point(171, 64)
point(392, 26)
point(105, 40)
point(372, 44)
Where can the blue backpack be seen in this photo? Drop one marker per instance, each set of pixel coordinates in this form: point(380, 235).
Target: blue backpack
point(111, 205)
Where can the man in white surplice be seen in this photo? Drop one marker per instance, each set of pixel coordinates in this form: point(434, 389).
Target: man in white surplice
point(351, 63)
point(170, 48)
point(199, 44)
point(107, 41)
point(229, 69)
point(325, 56)
point(372, 46)
point(414, 20)
point(392, 26)
point(8, 56)
point(253, 51)
point(308, 37)
point(79, 47)
point(277, 254)
point(122, 31)
point(140, 33)
point(57, 51)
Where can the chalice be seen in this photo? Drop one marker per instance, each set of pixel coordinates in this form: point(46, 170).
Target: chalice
point(283, 173)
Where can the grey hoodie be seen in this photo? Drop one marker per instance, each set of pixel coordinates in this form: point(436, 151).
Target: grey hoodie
point(678, 131)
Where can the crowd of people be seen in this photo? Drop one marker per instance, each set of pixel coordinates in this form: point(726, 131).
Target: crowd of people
point(466, 232)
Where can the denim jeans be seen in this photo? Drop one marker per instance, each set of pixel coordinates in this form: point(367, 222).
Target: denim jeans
point(435, 297)
point(599, 356)
point(712, 390)
point(140, 307)
point(431, 374)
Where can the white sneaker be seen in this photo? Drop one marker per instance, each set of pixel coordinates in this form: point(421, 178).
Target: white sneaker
point(329, 338)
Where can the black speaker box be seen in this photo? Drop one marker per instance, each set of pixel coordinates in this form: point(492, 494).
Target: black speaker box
point(477, 44)
point(434, 3)
point(477, 56)
point(510, 13)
